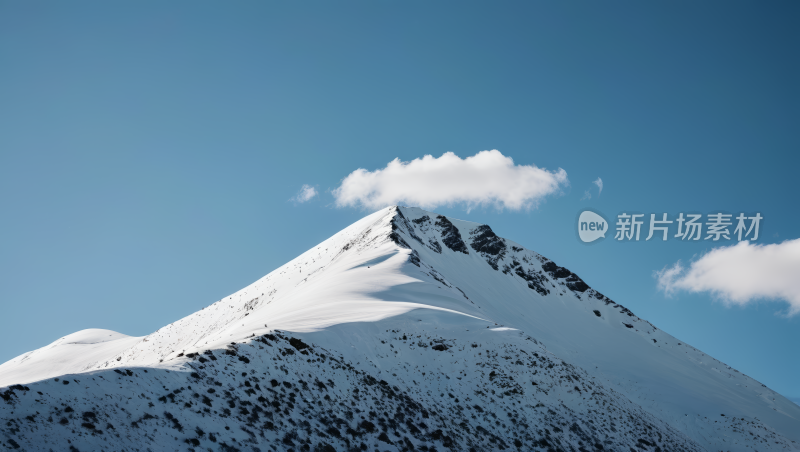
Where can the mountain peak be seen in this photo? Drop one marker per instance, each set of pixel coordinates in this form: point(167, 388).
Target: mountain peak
point(434, 312)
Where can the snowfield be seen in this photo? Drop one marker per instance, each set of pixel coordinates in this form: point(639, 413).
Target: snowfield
point(405, 331)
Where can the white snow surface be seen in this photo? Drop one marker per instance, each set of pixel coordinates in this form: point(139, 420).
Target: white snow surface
point(403, 271)
point(75, 353)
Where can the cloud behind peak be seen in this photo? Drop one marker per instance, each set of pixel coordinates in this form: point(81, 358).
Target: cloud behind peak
point(487, 178)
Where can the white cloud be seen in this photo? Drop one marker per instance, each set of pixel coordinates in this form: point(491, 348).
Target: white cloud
point(741, 274)
point(599, 183)
point(486, 178)
point(588, 193)
point(305, 194)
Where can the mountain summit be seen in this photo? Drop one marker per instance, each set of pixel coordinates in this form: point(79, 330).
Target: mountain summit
point(407, 330)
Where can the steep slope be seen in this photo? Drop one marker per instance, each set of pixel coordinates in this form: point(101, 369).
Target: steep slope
point(413, 319)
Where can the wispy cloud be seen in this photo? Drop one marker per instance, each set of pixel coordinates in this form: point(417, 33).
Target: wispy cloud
point(588, 193)
point(487, 178)
point(740, 274)
point(305, 194)
point(599, 183)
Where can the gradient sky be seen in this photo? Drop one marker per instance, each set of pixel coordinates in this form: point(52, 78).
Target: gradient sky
point(149, 150)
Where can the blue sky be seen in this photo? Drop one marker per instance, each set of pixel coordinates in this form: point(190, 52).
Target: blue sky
point(149, 151)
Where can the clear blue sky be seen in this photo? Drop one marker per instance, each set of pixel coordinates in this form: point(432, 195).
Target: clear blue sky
point(148, 150)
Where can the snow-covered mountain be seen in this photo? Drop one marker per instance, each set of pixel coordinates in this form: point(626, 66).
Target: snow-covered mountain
point(405, 331)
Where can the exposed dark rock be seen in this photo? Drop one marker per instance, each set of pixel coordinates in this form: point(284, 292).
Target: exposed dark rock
point(400, 223)
point(6, 395)
point(624, 310)
point(434, 245)
point(395, 237)
point(574, 283)
point(297, 343)
point(450, 235)
point(414, 258)
point(536, 281)
point(484, 240)
point(555, 271)
point(488, 244)
point(439, 278)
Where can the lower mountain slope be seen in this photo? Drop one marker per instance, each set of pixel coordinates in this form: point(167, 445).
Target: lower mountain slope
point(448, 390)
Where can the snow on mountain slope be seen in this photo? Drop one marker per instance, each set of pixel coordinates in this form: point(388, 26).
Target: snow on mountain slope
point(74, 353)
point(449, 316)
point(298, 296)
point(434, 386)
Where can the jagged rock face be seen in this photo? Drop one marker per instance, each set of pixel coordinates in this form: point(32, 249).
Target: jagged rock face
point(424, 223)
point(573, 281)
point(484, 240)
point(398, 337)
point(451, 237)
point(536, 280)
point(398, 221)
point(488, 244)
